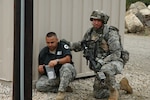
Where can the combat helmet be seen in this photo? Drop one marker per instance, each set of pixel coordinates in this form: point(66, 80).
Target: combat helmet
point(99, 15)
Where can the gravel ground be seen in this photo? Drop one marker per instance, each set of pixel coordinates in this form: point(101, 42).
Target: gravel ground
point(136, 70)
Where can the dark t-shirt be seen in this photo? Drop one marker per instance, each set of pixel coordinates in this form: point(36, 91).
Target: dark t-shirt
point(45, 56)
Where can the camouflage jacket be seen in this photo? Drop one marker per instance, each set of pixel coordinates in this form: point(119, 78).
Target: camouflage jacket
point(107, 46)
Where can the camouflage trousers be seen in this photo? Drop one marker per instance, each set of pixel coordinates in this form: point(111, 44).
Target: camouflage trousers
point(67, 74)
point(101, 87)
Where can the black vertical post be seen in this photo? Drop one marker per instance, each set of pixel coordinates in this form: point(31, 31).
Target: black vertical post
point(28, 48)
point(16, 66)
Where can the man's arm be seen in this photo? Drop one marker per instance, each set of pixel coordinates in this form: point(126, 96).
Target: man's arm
point(114, 47)
point(66, 59)
point(41, 69)
point(41, 61)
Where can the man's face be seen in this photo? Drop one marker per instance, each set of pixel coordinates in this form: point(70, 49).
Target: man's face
point(52, 42)
point(97, 23)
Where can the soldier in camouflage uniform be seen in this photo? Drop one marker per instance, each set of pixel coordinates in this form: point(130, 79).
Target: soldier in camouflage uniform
point(55, 55)
point(107, 55)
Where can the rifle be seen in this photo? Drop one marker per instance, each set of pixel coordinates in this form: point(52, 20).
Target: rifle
point(89, 55)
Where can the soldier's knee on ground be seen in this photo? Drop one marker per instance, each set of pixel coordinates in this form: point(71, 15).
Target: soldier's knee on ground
point(100, 89)
point(101, 93)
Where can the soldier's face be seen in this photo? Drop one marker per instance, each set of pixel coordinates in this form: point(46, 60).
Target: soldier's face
point(97, 23)
point(52, 42)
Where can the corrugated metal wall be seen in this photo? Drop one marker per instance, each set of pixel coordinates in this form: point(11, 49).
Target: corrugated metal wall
point(68, 18)
point(6, 39)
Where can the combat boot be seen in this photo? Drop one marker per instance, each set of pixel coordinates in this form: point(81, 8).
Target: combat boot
point(60, 96)
point(114, 94)
point(124, 85)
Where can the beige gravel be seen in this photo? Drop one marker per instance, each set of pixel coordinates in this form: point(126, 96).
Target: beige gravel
point(136, 70)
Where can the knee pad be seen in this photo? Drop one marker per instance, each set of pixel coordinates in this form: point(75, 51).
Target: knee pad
point(101, 93)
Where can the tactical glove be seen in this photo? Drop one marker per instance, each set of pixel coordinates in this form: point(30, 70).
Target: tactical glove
point(98, 67)
point(101, 61)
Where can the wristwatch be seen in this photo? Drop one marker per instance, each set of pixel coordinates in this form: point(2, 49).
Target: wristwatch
point(57, 61)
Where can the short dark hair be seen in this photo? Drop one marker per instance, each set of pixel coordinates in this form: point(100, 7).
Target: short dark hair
point(50, 34)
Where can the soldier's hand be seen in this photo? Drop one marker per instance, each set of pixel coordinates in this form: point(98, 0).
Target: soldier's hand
point(98, 67)
point(65, 41)
point(101, 61)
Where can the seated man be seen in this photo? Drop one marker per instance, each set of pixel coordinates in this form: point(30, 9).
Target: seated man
point(57, 56)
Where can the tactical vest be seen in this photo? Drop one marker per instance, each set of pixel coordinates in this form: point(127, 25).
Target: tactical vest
point(124, 53)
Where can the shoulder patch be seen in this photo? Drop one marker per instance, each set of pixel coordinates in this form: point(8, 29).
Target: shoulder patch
point(66, 46)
